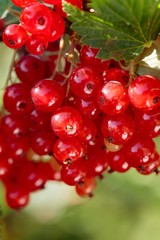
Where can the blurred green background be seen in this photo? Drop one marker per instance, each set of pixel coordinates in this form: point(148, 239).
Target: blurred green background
point(125, 206)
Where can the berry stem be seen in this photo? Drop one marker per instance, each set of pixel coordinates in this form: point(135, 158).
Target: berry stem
point(71, 59)
point(131, 71)
point(61, 47)
point(9, 76)
point(125, 68)
point(14, 12)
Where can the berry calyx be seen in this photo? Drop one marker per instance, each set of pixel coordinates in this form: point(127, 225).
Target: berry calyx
point(67, 150)
point(66, 121)
point(36, 18)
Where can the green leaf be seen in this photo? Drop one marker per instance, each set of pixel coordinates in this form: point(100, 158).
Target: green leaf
point(120, 28)
point(4, 4)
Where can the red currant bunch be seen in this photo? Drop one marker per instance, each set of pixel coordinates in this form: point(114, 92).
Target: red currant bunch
point(82, 115)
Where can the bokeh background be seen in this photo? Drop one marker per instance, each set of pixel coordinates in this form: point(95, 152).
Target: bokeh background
point(125, 206)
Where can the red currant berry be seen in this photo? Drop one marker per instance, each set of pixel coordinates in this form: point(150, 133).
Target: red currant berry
point(14, 36)
point(88, 57)
point(14, 126)
point(36, 44)
point(113, 98)
point(140, 151)
point(144, 92)
point(59, 7)
point(47, 95)
point(84, 82)
point(66, 121)
point(36, 18)
point(150, 168)
point(38, 120)
point(72, 174)
point(97, 162)
point(88, 108)
point(148, 122)
point(52, 173)
point(42, 142)
point(88, 131)
point(30, 69)
point(58, 27)
point(118, 161)
point(17, 99)
point(86, 187)
point(67, 150)
point(115, 74)
point(118, 129)
point(23, 3)
point(19, 147)
point(17, 198)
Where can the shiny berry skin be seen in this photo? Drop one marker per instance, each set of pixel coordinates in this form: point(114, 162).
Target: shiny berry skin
point(144, 92)
point(23, 3)
point(54, 2)
point(88, 131)
point(14, 126)
point(53, 174)
point(14, 36)
point(17, 99)
point(118, 161)
point(47, 95)
point(36, 18)
point(151, 167)
point(148, 122)
point(59, 7)
point(17, 198)
point(140, 151)
point(36, 44)
point(86, 188)
point(18, 148)
point(66, 121)
point(38, 120)
point(115, 74)
point(33, 177)
point(113, 98)
point(84, 82)
point(42, 142)
point(97, 162)
point(30, 69)
point(118, 129)
point(72, 174)
point(58, 27)
point(67, 150)
point(88, 57)
point(88, 108)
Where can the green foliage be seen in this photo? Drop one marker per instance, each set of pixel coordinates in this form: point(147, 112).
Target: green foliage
point(4, 4)
point(120, 28)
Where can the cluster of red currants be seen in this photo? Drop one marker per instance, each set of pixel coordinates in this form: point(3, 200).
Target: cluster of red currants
point(85, 123)
point(38, 25)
